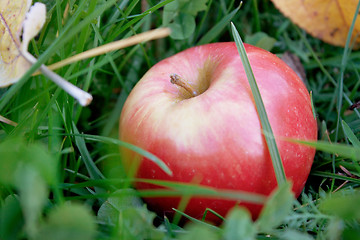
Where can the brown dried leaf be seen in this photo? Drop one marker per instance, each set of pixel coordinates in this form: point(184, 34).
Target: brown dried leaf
point(328, 20)
point(294, 62)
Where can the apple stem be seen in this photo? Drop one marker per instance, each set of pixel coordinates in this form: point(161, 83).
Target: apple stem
point(179, 81)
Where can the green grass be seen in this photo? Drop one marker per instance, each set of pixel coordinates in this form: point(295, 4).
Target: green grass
point(59, 167)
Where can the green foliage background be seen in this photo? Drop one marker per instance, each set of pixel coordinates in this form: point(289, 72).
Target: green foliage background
point(60, 174)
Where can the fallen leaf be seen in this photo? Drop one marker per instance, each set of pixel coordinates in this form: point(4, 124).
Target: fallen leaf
point(16, 17)
point(355, 105)
point(328, 20)
point(33, 23)
point(12, 64)
point(294, 62)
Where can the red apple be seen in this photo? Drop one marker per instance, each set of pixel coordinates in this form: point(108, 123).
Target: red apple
point(205, 126)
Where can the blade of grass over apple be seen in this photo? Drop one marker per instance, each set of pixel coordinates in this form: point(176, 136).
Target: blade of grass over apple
point(196, 220)
point(269, 136)
point(132, 147)
point(209, 210)
point(174, 189)
point(200, 190)
point(184, 201)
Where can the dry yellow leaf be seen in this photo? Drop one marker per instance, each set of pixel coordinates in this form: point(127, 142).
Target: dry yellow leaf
point(328, 20)
point(18, 19)
point(12, 64)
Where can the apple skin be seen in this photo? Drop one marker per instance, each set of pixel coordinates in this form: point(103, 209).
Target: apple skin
point(215, 138)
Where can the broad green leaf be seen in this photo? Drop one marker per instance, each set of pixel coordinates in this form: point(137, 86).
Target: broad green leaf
point(33, 192)
point(170, 11)
point(129, 217)
point(351, 232)
point(342, 205)
point(261, 40)
point(183, 26)
point(180, 15)
point(68, 221)
point(193, 7)
point(11, 218)
point(239, 225)
point(291, 234)
point(29, 168)
point(276, 209)
point(196, 231)
point(137, 223)
point(16, 156)
point(123, 199)
point(334, 229)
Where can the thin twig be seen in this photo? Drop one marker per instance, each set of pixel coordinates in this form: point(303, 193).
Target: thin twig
point(123, 43)
point(7, 121)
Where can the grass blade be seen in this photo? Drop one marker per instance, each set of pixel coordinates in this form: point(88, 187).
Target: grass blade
point(195, 220)
point(134, 148)
point(350, 135)
point(269, 136)
point(340, 85)
point(216, 30)
point(335, 176)
point(345, 151)
point(174, 189)
point(93, 170)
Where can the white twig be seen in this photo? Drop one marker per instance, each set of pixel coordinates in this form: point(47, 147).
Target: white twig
point(80, 95)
